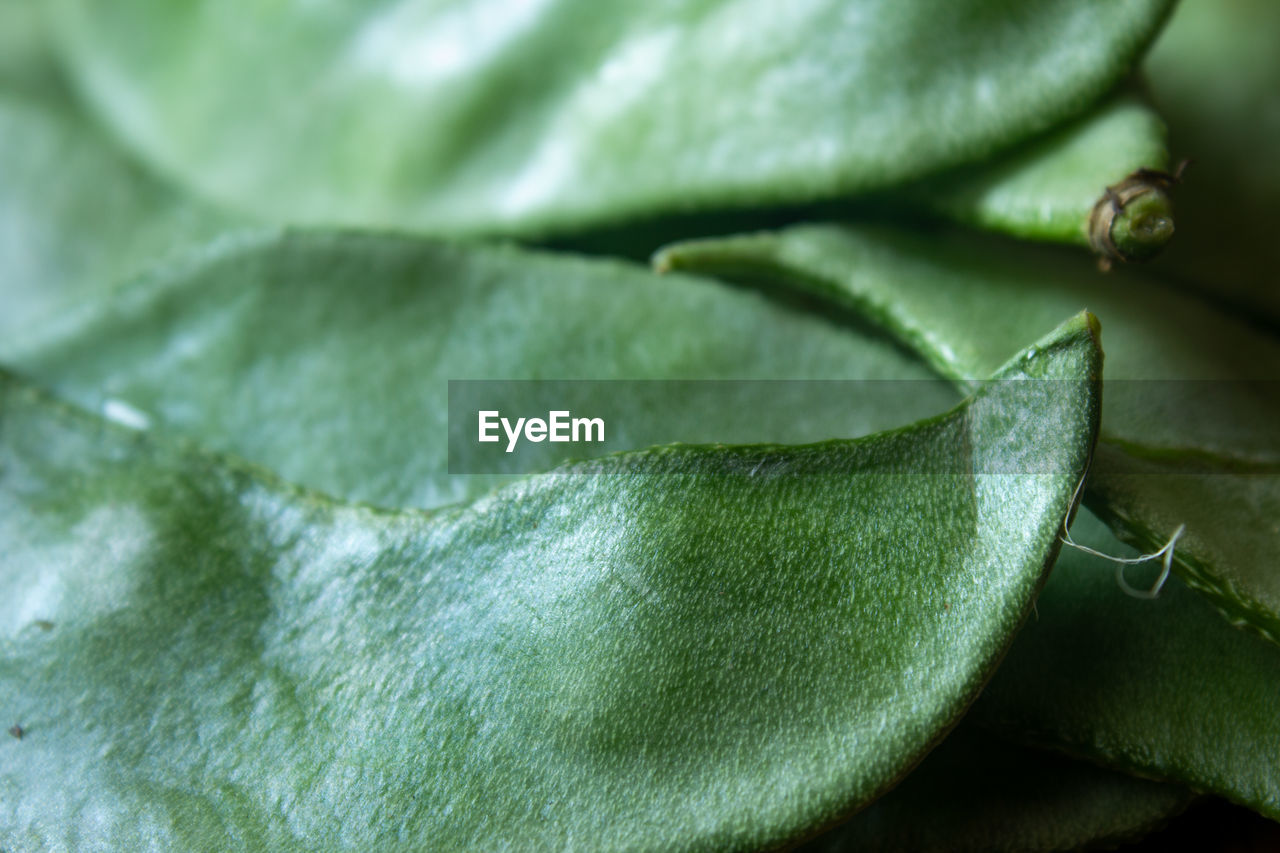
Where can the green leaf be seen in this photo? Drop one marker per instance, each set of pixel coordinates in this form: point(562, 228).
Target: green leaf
point(680, 648)
point(75, 215)
point(978, 794)
point(326, 357)
point(1189, 435)
point(1228, 550)
point(1047, 189)
point(27, 62)
point(1215, 74)
point(548, 117)
point(1162, 688)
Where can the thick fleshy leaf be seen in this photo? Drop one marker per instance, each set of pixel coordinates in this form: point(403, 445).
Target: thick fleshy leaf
point(681, 648)
point(75, 215)
point(978, 794)
point(1189, 435)
point(326, 357)
point(1215, 73)
point(1047, 189)
point(549, 116)
point(1161, 687)
point(1229, 549)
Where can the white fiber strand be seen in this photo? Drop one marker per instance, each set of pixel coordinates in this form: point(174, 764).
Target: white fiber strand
point(1166, 553)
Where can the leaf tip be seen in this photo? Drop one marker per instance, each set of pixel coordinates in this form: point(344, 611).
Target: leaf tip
point(662, 261)
point(1093, 325)
point(1083, 325)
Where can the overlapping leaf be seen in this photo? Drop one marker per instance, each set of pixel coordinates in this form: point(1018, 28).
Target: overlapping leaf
point(76, 216)
point(1047, 189)
point(1162, 688)
point(685, 647)
point(215, 742)
point(535, 118)
point(326, 357)
point(1189, 436)
point(978, 794)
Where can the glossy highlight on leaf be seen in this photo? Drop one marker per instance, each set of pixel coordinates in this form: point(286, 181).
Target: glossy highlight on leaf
point(685, 647)
point(549, 117)
point(1189, 434)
